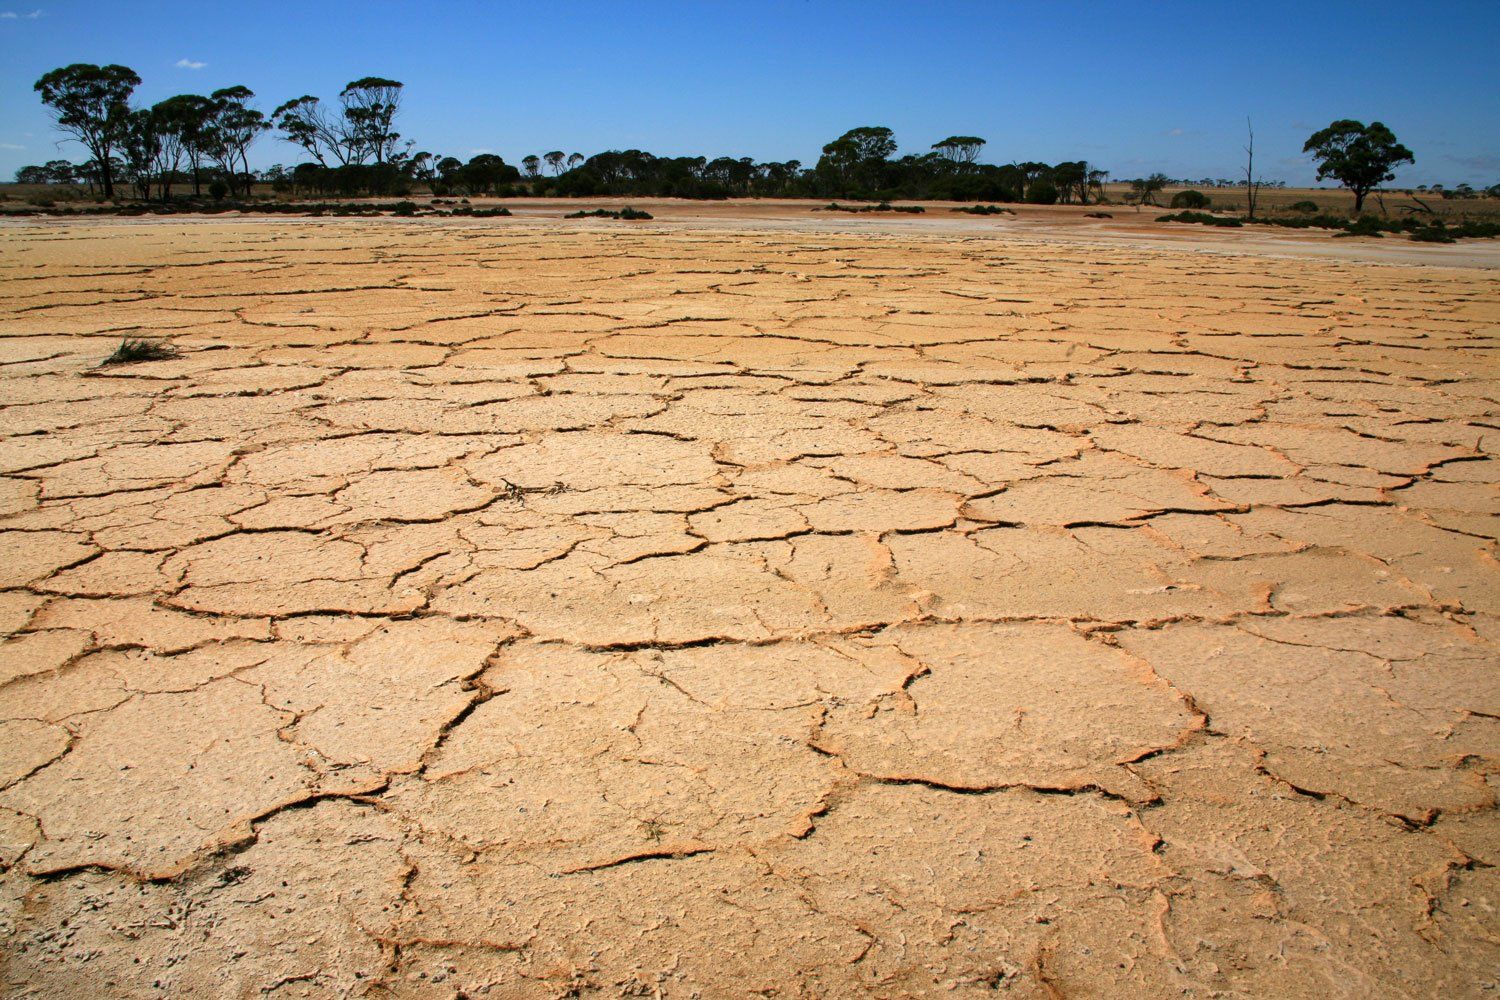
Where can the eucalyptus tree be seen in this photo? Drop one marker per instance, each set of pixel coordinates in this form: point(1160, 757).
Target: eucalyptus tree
point(232, 128)
point(91, 104)
point(182, 126)
point(370, 106)
point(961, 150)
point(555, 160)
point(140, 143)
point(1361, 157)
point(325, 135)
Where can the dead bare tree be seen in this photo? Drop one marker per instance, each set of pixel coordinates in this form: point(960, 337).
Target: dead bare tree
point(1252, 186)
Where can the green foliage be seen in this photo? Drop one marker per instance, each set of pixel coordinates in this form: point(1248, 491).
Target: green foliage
point(217, 190)
point(133, 349)
point(1190, 199)
point(1202, 219)
point(1303, 206)
point(1041, 192)
point(1358, 156)
point(404, 208)
point(962, 150)
point(984, 210)
point(91, 104)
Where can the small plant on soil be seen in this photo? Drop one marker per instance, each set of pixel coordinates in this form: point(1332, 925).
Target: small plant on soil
point(133, 349)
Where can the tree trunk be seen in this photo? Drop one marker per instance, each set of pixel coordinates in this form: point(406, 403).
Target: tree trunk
point(1359, 201)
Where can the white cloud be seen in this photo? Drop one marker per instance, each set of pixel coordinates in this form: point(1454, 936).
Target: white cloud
point(11, 15)
point(1174, 131)
point(10, 145)
point(190, 64)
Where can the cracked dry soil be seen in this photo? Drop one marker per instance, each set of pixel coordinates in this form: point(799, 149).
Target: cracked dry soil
point(539, 612)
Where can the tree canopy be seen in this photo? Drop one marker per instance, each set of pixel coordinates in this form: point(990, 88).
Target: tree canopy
point(92, 105)
point(1361, 157)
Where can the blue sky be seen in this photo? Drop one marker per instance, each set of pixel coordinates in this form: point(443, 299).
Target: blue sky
point(1133, 87)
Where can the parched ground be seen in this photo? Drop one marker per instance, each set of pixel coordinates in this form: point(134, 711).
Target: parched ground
point(531, 610)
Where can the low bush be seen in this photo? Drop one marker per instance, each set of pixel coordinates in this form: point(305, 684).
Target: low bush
point(1190, 199)
point(985, 210)
point(1303, 206)
point(1202, 219)
point(217, 190)
point(1097, 215)
point(404, 208)
point(627, 213)
point(884, 206)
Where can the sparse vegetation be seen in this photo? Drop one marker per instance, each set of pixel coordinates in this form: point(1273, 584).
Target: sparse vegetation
point(133, 349)
point(884, 206)
point(627, 213)
point(1302, 206)
point(985, 210)
point(480, 213)
point(1202, 219)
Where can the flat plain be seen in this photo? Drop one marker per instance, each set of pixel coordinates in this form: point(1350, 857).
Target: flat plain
point(697, 609)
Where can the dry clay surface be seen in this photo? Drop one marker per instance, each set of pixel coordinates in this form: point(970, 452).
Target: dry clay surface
point(542, 611)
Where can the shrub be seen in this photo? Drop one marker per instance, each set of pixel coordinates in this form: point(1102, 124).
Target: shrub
point(1476, 230)
point(984, 210)
point(217, 190)
point(1190, 199)
point(1365, 225)
point(1097, 215)
point(404, 208)
point(1432, 234)
point(134, 349)
point(884, 206)
point(604, 213)
point(1202, 219)
point(1308, 207)
point(1042, 193)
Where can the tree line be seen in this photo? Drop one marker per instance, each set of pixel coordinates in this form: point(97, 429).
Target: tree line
point(191, 136)
point(353, 148)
